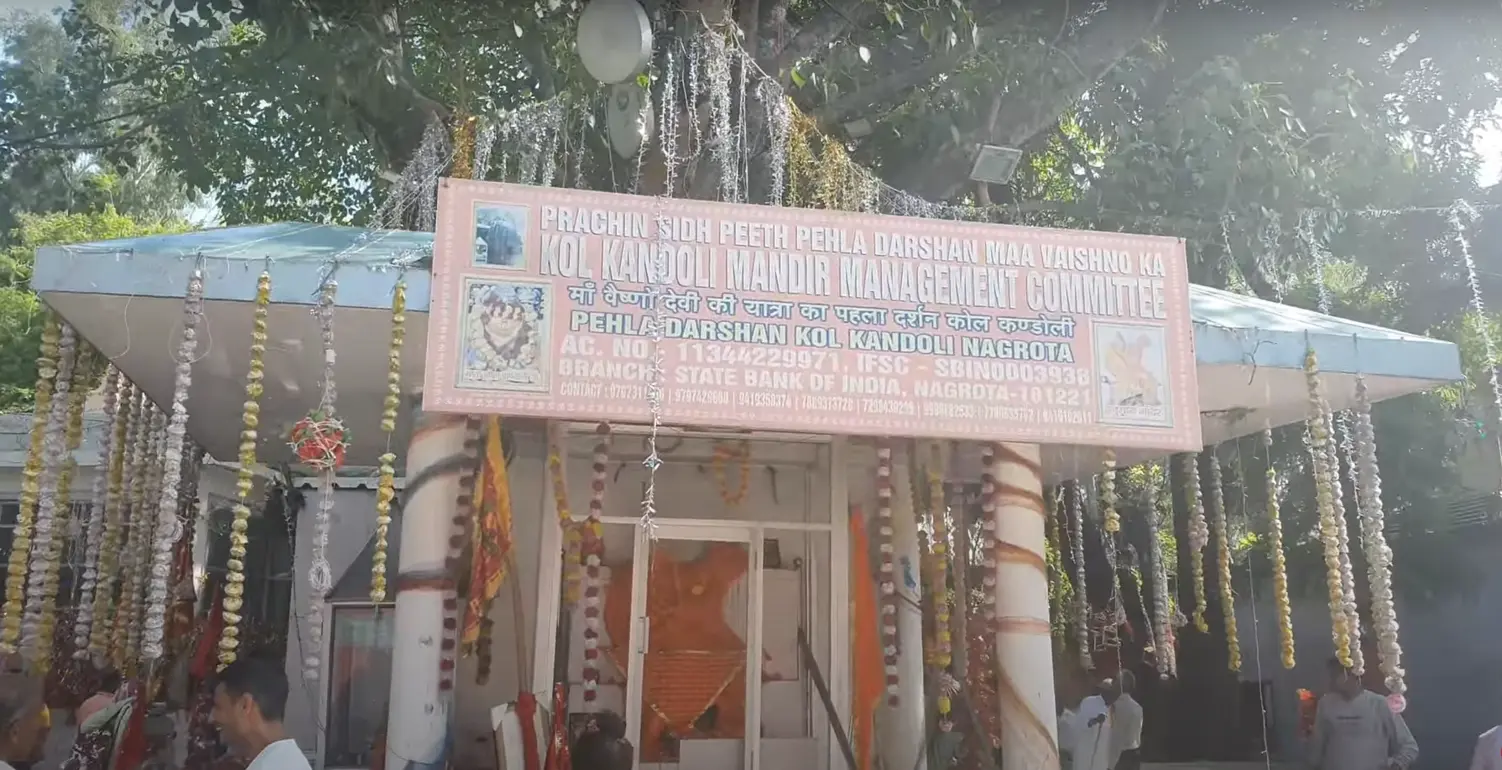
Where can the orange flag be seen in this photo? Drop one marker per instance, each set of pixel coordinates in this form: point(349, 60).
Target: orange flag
point(865, 653)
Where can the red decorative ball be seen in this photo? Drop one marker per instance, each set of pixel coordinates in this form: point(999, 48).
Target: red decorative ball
point(320, 441)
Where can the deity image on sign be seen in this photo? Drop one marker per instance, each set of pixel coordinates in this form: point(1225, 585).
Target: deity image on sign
point(500, 235)
point(1133, 370)
point(505, 328)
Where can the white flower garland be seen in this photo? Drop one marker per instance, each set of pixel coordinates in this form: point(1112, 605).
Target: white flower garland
point(168, 528)
point(1081, 594)
point(321, 573)
point(1378, 555)
point(594, 546)
point(1347, 572)
point(140, 452)
point(888, 578)
point(1223, 562)
point(33, 647)
point(114, 419)
point(1324, 497)
point(147, 521)
point(65, 526)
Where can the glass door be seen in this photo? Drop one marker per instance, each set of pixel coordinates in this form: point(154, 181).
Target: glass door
point(696, 606)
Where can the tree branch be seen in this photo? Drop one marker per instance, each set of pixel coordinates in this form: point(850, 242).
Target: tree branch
point(902, 80)
point(1109, 37)
point(833, 20)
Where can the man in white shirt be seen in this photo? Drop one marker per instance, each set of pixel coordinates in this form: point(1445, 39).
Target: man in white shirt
point(250, 698)
point(1126, 725)
point(1488, 754)
point(1091, 731)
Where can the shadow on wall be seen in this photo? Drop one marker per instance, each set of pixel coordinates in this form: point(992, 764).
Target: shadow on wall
point(1450, 653)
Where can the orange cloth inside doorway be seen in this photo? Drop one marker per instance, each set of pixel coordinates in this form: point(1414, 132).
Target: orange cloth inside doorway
point(865, 653)
point(694, 660)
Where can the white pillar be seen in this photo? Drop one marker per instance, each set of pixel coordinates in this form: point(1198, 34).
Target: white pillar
point(902, 734)
point(1024, 651)
point(418, 721)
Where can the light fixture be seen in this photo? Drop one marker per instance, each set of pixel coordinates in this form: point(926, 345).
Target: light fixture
point(629, 118)
point(614, 39)
point(995, 164)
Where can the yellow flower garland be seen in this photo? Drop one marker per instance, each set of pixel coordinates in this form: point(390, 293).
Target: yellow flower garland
point(109, 549)
point(386, 487)
point(1329, 524)
point(1280, 562)
point(943, 636)
point(1108, 494)
point(1223, 561)
point(20, 549)
point(250, 422)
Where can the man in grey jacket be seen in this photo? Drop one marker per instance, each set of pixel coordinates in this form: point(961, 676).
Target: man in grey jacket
point(1355, 730)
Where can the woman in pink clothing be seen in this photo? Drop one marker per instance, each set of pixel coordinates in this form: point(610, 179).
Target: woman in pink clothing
point(109, 687)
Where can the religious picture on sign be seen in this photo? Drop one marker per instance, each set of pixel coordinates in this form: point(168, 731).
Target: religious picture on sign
point(1133, 375)
point(506, 339)
point(500, 235)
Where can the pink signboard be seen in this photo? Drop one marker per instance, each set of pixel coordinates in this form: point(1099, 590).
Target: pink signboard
point(545, 303)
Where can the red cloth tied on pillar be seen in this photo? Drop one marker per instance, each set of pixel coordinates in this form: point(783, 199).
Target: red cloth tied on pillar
point(492, 541)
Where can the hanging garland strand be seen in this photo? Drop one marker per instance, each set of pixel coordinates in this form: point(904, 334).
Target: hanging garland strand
point(1329, 524)
point(168, 528)
point(1460, 215)
point(1378, 555)
point(594, 553)
point(20, 550)
point(722, 456)
point(1343, 532)
point(888, 576)
point(1199, 537)
point(943, 637)
point(1059, 593)
point(144, 521)
point(94, 533)
point(1111, 516)
point(1280, 561)
point(1162, 629)
point(386, 487)
point(53, 448)
point(1223, 561)
point(250, 423)
point(1075, 502)
point(988, 495)
point(321, 441)
point(111, 599)
point(573, 576)
point(66, 526)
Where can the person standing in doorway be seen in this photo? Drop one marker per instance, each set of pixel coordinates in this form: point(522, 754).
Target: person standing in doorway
point(250, 699)
point(1126, 725)
point(1355, 730)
